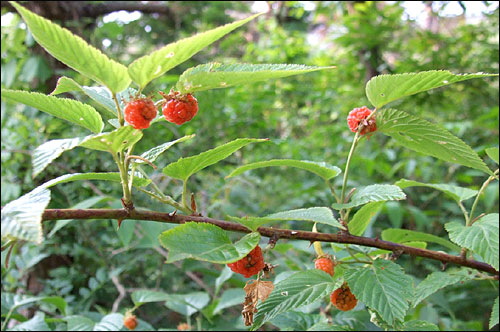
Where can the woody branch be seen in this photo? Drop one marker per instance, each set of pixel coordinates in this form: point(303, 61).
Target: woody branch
point(340, 237)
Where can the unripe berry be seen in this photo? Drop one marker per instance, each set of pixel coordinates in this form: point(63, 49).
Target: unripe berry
point(250, 265)
point(140, 112)
point(357, 116)
point(130, 321)
point(325, 264)
point(343, 299)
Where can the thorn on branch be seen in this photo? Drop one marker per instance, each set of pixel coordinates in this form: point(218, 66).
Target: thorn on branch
point(396, 253)
point(129, 206)
point(273, 239)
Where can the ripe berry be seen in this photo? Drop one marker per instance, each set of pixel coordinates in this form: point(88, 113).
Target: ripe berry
point(140, 112)
point(130, 321)
point(252, 264)
point(179, 108)
point(325, 264)
point(343, 299)
point(357, 116)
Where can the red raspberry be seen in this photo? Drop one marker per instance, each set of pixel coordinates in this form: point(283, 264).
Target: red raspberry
point(130, 321)
point(357, 116)
point(343, 299)
point(179, 108)
point(325, 264)
point(140, 112)
point(252, 264)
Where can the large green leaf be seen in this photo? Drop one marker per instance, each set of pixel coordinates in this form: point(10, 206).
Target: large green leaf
point(372, 193)
point(183, 168)
point(299, 289)
point(63, 108)
point(382, 286)
point(404, 235)
point(22, 218)
point(48, 151)
point(99, 94)
point(111, 176)
point(481, 237)
point(383, 89)
point(205, 242)
point(493, 154)
point(110, 322)
point(322, 215)
point(420, 325)
point(300, 321)
point(321, 169)
point(457, 193)
point(153, 153)
point(75, 52)
point(149, 67)
point(37, 323)
point(436, 281)
point(217, 76)
point(187, 304)
point(422, 136)
point(362, 218)
point(229, 298)
point(114, 141)
point(142, 296)
point(494, 314)
point(79, 323)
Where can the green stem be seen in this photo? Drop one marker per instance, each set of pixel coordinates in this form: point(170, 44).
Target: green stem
point(350, 251)
point(184, 194)
point(346, 171)
point(167, 200)
point(466, 215)
point(332, 189)
point(120, 118)
point(124, 177)
point(483, 187)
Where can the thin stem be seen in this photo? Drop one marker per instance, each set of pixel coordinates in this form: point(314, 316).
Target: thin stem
point(350, 251)
point(483, 187)
point(332, 189)
point(466, 215)
point(167, 200)
point(124, 177)
point(184, 194)
point(120, 118)
point(346, 172)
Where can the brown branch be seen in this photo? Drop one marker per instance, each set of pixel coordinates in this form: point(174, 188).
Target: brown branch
point(340, 237)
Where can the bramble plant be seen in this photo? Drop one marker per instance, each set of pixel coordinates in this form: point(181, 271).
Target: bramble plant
point(364, 275)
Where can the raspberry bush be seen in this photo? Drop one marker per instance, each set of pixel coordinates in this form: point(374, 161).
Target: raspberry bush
point(216, 244)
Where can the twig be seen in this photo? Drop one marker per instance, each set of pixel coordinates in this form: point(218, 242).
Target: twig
point(341, 237)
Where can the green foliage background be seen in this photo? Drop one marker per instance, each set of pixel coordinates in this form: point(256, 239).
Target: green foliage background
point(304, 117)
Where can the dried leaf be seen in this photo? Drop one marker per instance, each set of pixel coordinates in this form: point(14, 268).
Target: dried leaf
point(255, 290)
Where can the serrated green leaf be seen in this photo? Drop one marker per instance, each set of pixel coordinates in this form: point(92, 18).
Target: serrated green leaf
point(322, 215)
point(363, 217)
point(75, 52)
point(79, 323)
point(114, 141)
point(22, 218)
point(149, 67)
point(67, 109)
point(37, 323)
point(142, 296)
point(111, 176)
point(111, 322)
point(48, 151)
point(183, 168)
point(298, 321)
point(436, 281)
point(99, 94)
point(321, 169)
point(229, 298)
point(481, 237)
point(404, 235)
point(494, 314)
point(187, 304)
point(217, 76)
point(493, 154)
point(153, 153)
point(382, 286)
point(383, 89)
point(420, 325)
point(372, 193)
point(299, 289)
point(457, 193)
point(422, 136)
point(205, 242)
